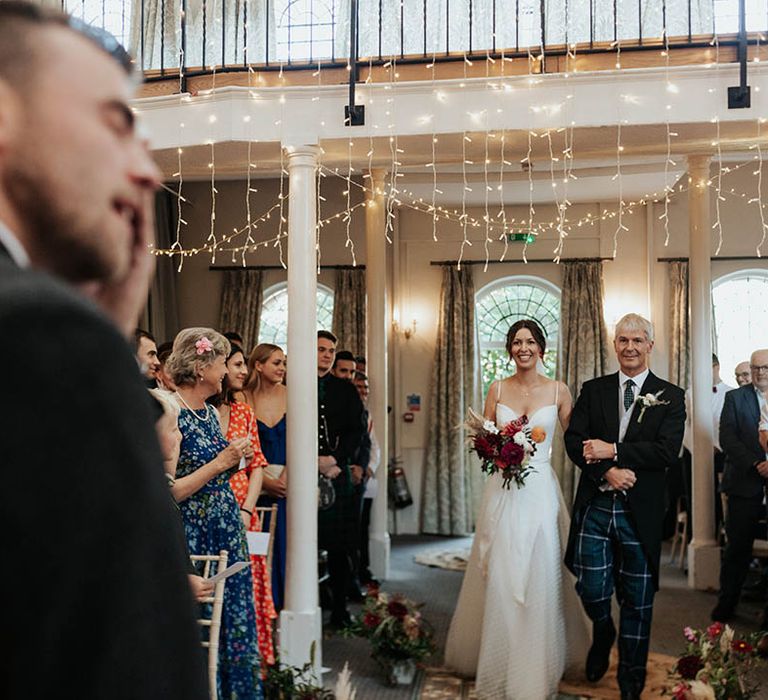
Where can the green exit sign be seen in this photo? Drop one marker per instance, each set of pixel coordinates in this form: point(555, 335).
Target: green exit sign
point(521, 238)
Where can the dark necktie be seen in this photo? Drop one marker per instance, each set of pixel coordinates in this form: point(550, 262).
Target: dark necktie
point(629, 396)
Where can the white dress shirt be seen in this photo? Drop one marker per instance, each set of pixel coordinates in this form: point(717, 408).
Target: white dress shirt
point(13, 246)
point(719, 391)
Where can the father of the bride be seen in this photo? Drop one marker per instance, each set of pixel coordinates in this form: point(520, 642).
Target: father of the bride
point(626, 429)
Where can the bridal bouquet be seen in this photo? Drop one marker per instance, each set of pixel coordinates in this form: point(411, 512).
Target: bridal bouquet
point(716, 664)
point(508, 450)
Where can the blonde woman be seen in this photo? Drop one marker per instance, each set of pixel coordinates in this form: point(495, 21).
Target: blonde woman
point(266, 394)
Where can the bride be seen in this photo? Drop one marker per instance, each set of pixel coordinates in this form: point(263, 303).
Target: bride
point(519, 624)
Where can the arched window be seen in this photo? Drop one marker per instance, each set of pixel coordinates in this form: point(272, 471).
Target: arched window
point(305, 29)
point(273, 324)
point(740, 310)
point(499, 305)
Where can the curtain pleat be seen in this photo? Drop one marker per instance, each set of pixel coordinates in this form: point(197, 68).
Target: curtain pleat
point(241, 298)
point(349, 310)
point(679, 324)
point(162, 310)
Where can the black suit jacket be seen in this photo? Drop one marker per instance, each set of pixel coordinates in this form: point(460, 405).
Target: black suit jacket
point(101, 607)
point(738, 439)
point(649, 447)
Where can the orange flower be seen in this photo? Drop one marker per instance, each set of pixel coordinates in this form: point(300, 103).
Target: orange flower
point(538, 434)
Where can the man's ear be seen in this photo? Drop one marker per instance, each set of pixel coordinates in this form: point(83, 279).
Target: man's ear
point(10, 114)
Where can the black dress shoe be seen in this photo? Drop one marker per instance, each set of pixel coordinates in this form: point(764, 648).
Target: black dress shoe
point(339, 619)
point(721, 612)
point(598, 658)
point(630, 695)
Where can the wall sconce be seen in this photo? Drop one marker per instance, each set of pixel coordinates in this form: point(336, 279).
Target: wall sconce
point(407, 331)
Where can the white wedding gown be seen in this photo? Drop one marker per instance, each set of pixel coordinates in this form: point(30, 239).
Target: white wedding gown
point(519, 623)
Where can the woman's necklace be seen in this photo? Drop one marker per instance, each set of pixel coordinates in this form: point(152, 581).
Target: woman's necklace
point(192, 410)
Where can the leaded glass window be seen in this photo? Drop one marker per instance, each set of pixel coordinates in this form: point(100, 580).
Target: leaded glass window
point(305, 29)
point(740, 310)
point(273, 324)
point(502, 303)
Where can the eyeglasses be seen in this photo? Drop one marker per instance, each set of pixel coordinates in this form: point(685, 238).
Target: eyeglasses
point(759, 368)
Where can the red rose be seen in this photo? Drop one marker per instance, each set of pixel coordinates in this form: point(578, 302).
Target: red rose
point(397, 609)
point(741, 646)
point(714, 630)
point(372, 590)
point(371, 620)
point(689, 666)
point(512, 453)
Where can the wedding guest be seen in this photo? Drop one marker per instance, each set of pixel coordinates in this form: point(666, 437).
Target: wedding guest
point(237, 421)
point(744, 478)
point(234, 338)
point(743, 374)
point(76, 202)
point(164, 380)
point(266, 394)
point(341, 427)
point(360, 364)
point(371, 485)
point(344, 365)
point(146, 355)
point(211, 515)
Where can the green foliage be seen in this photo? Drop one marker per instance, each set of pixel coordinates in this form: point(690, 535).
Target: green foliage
point(294, 683)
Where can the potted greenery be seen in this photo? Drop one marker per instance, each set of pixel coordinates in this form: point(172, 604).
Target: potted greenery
point(400, 637)
point(717, 664)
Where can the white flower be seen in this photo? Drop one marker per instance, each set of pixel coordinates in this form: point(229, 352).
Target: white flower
point(520, 439)
point(702, 691)
point(490, 426)
point(725, 639)
point(649, 401)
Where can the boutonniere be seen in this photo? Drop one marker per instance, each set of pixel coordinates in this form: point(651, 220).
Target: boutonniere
point(649, 401)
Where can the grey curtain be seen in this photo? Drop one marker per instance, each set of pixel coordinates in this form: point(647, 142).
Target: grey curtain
point(162, 317)
point(452, 480)
point(349, 310)
point(584, 345)
point(241, 298)
point(679, 324)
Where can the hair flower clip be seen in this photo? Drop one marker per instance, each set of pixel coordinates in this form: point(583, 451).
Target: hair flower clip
point(203, 345)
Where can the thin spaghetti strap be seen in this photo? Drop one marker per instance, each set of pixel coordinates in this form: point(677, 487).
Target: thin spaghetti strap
point(557, 391)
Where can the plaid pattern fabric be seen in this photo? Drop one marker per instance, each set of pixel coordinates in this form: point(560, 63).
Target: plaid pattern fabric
point(609, 555)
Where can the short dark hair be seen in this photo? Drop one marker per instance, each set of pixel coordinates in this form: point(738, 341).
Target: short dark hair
point(533, 327)
point(20, 51)
point(361, 376)
point(360, 359)
point(164, 350)
point(140, 333)
point(234, 337)
point(343, 355)
point(328, 336)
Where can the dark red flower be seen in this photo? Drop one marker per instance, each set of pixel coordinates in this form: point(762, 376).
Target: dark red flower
point(372, 590)
point(689, 666)
point(371, 620)
point(742, 646)
point(397, 609)
point(484, 447)
point(512, 453)
point(714, 630)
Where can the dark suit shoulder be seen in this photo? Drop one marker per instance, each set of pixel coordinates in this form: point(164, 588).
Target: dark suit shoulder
point(668, 388)
point(599, 382)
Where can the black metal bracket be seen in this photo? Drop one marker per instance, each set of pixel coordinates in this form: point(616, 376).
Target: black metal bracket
point(354, 115)
point(739, 96)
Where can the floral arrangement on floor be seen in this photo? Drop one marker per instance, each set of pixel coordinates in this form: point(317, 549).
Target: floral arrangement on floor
point(508, 450)
point(394, 626)
point(716, 664)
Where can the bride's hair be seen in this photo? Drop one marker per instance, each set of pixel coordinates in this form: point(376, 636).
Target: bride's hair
point(533, 327)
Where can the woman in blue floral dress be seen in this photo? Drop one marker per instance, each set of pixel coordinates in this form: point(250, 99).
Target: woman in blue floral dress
point(212, 520)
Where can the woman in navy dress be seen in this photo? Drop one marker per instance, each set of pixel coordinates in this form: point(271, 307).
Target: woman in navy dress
point(212, 520)
point(266, 394)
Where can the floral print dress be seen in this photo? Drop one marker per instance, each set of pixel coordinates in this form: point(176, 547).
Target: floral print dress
point(242, 423)
point(212, 522)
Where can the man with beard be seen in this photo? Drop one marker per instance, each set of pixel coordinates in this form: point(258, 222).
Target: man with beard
point(101, 605)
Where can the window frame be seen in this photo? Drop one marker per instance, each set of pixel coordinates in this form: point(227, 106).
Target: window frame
point(282, 287)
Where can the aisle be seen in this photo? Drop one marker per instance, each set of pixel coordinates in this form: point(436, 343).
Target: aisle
point(676, 606)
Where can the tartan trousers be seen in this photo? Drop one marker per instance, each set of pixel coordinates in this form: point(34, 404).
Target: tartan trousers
point(609, 556)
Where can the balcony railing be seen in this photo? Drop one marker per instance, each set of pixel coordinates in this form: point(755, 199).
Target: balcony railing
point(200, 35)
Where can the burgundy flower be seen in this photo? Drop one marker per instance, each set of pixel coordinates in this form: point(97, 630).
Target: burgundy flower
point(741, 646)
point(397, 609)
point(484, 447)
point(371, 620)
point(714, 630)
point(689, 666)
point(512, 453)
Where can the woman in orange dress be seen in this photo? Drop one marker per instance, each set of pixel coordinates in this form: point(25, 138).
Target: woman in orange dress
point(238, 421)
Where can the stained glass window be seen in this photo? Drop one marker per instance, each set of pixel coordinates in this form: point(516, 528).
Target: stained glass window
point(740, 310)
point(273, 324)
point(502, 303)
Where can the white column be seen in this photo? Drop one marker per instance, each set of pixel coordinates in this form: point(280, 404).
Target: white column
point(376, 360)
point(300, 620)
point(703, 552)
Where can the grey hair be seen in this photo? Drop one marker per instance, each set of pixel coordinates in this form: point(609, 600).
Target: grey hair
point(184, 362)
point(166, 400)
point(634, 322)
